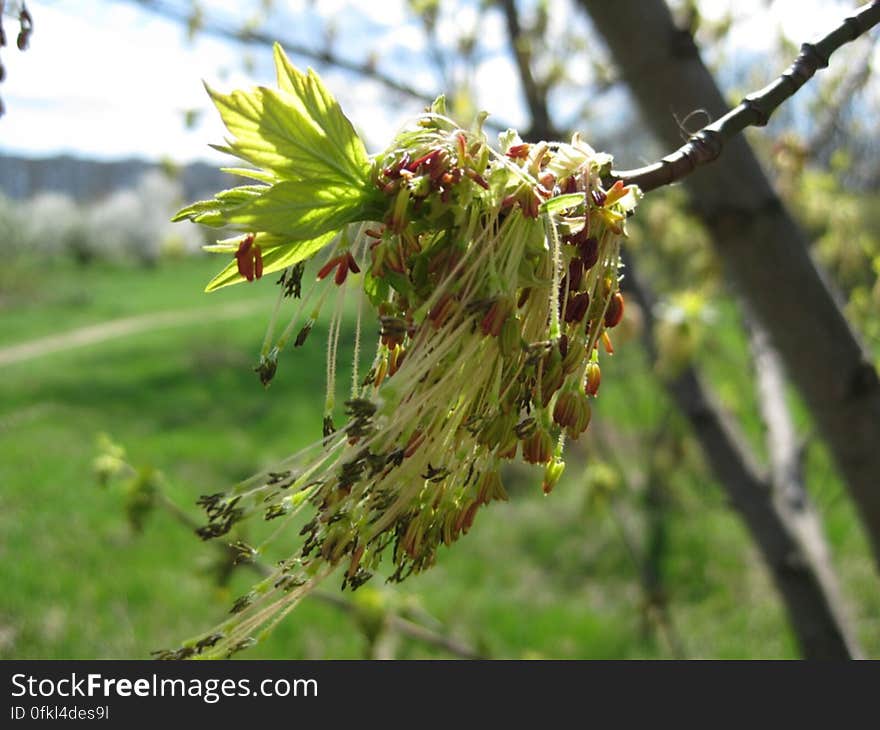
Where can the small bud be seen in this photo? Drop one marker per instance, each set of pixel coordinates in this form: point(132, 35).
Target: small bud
point(583, 421)
point(565, 412)
point(552, 473)
point(594, 378)
point(538, 448)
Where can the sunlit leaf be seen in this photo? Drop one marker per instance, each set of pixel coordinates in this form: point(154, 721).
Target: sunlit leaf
point(276, 256)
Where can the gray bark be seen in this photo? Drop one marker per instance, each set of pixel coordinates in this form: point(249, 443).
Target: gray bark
point(763, 250)
point(774, 507)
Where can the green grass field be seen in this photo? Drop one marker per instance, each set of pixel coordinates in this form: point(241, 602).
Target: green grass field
point(536, 577)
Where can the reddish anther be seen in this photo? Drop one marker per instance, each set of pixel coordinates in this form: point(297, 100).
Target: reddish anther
point(246, 258)
point(462, 145)
point(328, 267)
point(577, 307)
point(575, 274)
point(519, 151)
point(477, 178)
point(426, 160)
point(614, 312)
point(343, 264)
point(589, 251)
point(341, 272)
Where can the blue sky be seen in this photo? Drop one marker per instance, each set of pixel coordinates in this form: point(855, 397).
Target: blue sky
point(106, 79)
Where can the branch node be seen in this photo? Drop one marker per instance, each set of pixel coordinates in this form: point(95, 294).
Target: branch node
point(812, 57)
point(707, 145)
point(761, 114)
point(854, 26)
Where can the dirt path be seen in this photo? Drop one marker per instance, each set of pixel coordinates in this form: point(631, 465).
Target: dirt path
point(117, 328)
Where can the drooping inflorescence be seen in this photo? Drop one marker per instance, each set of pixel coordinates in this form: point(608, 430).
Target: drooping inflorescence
point(493, 274)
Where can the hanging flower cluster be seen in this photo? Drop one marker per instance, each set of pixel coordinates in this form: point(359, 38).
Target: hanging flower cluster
point(494, 276)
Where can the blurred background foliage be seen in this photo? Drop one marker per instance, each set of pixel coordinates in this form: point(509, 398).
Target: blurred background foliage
point(636, 553)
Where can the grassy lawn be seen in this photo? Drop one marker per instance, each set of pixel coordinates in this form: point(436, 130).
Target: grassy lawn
point(537, 577)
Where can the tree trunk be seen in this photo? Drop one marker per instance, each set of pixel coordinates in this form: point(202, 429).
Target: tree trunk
point(775, 509)
point(764, 251)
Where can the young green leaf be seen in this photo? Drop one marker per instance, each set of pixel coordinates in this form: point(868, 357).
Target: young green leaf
point(294, 209)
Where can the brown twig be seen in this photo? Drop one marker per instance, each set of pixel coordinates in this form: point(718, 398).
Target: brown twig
point(810, 596)
point(250, 37)
point(534, 91)
point(755, 110)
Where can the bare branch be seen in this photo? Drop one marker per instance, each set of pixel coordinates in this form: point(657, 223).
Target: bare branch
point(790, 496)
point(762, 249)
point(219, 29)
point(857, 75)
point(783, 446)
point(805, 584)
point(755, 110)
point(535, 92)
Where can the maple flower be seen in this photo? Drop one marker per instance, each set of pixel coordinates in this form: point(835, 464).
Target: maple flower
point(493, 273)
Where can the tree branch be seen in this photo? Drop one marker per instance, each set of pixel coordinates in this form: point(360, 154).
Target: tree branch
point(755, 110)
point(256, 37)
point(858, 74)
point(535, 93)
point(790, 496)
point(809, 595)
point(763, 250)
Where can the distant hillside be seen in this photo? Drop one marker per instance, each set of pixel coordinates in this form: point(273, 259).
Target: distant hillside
point(89, 180)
